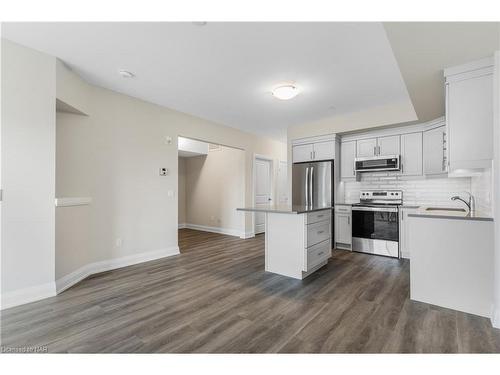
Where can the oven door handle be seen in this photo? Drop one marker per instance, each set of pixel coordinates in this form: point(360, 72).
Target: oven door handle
point(375, 209)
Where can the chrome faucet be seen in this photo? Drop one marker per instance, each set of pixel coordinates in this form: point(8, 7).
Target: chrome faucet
point(470, 204)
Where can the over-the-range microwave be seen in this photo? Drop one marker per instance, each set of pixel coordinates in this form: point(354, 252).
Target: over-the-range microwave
point(377, 163)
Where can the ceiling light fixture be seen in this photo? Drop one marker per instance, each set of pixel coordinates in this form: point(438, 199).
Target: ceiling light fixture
point(285, 92)
point(200, 23)
point(126, 73)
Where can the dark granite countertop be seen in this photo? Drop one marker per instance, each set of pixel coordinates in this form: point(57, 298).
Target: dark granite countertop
point(283, 209)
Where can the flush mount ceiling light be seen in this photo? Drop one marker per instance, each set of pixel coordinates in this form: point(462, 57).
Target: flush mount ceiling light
point(285, 92)
point(126, 73)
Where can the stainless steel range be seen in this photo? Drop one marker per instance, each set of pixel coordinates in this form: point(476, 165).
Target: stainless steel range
point(375, 222)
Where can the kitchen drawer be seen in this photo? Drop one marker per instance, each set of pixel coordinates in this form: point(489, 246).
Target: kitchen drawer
point(317, 232)
point(343, 209)
point(317, 254)
point(315, 217)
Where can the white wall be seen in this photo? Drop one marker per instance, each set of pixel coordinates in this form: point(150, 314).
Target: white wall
point(215, 187)
point(28, 174)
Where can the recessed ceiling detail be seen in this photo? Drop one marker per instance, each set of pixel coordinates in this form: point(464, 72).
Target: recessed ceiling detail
point(220, 72)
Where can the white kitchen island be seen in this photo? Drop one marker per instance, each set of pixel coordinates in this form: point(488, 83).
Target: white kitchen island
point(298, 239)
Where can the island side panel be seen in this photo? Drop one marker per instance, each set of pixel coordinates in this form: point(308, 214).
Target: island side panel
point(285, 244)
point(451, 263)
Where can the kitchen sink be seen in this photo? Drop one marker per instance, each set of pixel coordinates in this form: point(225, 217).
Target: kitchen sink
point(450, 209)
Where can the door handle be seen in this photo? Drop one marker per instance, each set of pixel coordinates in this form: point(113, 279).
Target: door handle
point(307, 186)
point(311, 187)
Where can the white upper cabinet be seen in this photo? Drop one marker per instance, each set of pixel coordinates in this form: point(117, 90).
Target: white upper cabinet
point(381, 146)
point(324, 150)
point(435, 151)
point(366, 147)
point(388, 145)
point(411, 154)
point(302, 153)
point(313, 150)
point(347, 155)
point(469, 114)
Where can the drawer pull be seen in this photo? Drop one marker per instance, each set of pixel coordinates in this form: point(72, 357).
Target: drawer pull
point(321, 253)
point(321, 215)
point(321, 231)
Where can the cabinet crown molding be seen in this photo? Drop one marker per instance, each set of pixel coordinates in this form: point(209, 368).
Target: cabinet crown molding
point(315, 139)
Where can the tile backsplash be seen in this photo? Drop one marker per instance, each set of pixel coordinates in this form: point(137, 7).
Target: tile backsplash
point(423, 191)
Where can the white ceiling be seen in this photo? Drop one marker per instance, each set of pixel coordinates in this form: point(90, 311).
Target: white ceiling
point(423, 49)
point(224, 71)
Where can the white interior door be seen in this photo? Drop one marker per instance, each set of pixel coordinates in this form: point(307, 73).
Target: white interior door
point(263, 194)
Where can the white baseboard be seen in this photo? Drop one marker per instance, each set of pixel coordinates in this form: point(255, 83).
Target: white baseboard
point(405, 255)
point(495, 317)
point(27, 295)
point(106, 265)
point(246, 235)
point(206, 228)
point(182, 225)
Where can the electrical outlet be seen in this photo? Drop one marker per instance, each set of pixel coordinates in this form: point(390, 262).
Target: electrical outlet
point(118, 242)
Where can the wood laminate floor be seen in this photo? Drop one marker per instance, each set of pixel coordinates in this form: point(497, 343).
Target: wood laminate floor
point(216, 298)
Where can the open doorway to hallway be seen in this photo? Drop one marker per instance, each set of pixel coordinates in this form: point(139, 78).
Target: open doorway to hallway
point(211, 186)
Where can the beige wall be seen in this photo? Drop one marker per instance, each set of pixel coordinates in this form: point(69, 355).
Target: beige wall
point(215, 187)
point(113, 155)
point(28, 174)
point(181, 216)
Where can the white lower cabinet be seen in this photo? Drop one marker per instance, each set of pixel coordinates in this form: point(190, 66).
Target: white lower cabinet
point(318, 239)
point(343, 227)
point(404, 231)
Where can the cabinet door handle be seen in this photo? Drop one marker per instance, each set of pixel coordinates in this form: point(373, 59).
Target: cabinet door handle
point(375, 150)
point(349, 220)
point(321, 231)
point(321, 252)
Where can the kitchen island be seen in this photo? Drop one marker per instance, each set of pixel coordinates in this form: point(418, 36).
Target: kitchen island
point(298, 238)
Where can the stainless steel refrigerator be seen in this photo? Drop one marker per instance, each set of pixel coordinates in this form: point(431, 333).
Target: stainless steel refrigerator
point(312, 186)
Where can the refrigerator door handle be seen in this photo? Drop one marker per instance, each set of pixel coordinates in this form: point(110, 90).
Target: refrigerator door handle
point(311, 190)
point(307, 186)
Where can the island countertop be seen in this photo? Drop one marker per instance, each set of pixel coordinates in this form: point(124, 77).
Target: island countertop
point(284, 209)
